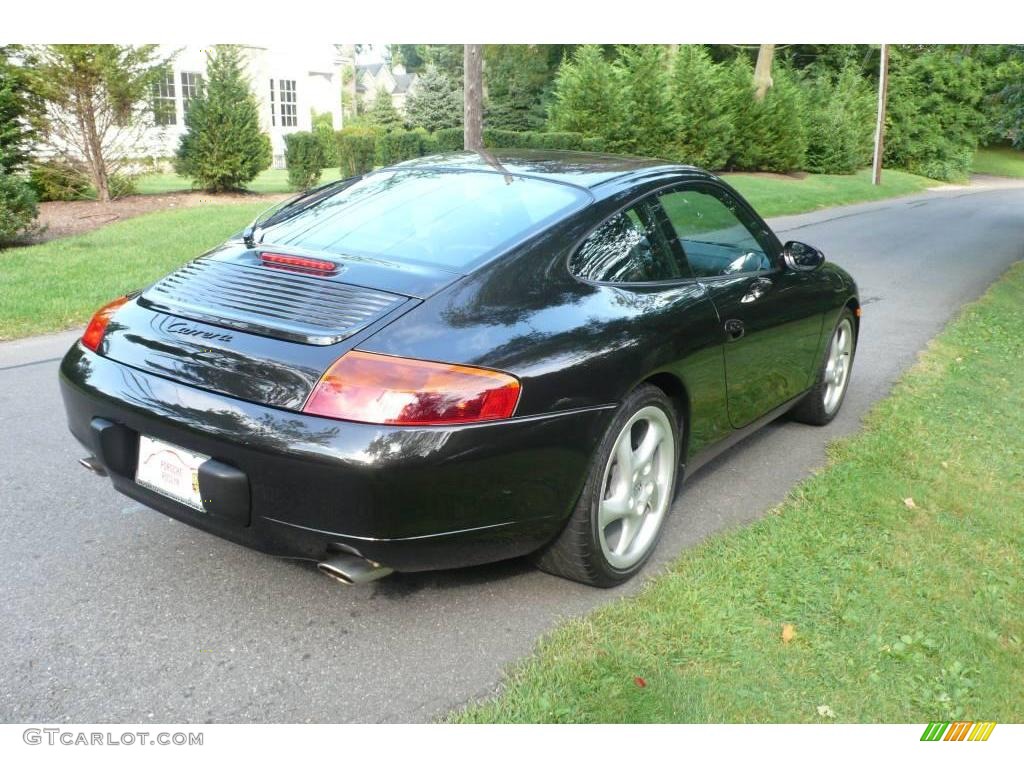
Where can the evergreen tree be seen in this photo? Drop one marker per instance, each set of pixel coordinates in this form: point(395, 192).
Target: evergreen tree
point(517, 79)
point(703, 125)
point(648, 127)
point(770, 135)
point(223, 147)
point(15, 133)
point(382, 112)
point(840, 128)
point(435, 102)
point(587, 96)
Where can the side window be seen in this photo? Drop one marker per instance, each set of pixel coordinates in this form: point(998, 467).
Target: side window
point(715, 233)
point(628, 248)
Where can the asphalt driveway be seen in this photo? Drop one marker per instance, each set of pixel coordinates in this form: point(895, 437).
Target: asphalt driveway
point(112, 612)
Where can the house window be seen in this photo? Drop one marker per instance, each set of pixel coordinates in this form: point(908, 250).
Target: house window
point(191, 85)
point(164, 107)
point(273, 113)
point(289, 107)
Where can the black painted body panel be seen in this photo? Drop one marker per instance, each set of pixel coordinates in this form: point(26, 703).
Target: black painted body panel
point(434, 497)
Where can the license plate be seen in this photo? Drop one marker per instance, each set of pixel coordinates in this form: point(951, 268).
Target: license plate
point(170, 471)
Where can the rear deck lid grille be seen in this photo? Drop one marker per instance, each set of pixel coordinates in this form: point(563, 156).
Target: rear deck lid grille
point(268, 301)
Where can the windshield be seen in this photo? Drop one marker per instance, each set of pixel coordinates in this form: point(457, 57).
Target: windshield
point(446, 218)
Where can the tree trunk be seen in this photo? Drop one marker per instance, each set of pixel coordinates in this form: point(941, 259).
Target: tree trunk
point(94, 148)
point(763, 70)
point(473, 105)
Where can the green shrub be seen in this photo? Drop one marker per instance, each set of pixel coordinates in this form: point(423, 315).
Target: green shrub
point(304, 157)
point(703, 130)
point(935, 113)
point(18, 209)
point(587, 96)
point(357, 148)
point(122, 185)
point(323, 129)
point(223, 147)
point(840, 128)
point(383, 114)
point(429, 144)
point(58, 180)
point(496, 138)
point(398, 145)
point(449, 139)
point(770, 135)
point(648, 128)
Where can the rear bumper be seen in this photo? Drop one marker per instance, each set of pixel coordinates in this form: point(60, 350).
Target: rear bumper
point(409, 498)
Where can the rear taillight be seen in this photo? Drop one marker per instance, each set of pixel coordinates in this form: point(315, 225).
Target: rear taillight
point(98, 325)
point(380, 389)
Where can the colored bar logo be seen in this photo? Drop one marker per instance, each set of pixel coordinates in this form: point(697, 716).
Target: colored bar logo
point(962, 730)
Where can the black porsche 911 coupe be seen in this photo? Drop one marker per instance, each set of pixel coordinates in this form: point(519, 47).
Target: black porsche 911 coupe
point(461, 359)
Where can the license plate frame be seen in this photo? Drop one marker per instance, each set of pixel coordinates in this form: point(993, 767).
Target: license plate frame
point(170, 470)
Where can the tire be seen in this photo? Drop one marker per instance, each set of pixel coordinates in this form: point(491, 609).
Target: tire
point(823, 401)
point(632, 511)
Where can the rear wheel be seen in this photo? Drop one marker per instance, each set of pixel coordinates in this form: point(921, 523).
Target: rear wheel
point(823, 402)
point(621, 512)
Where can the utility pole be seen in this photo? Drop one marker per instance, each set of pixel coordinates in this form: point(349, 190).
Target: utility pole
point(473, 97)
point(883, 96)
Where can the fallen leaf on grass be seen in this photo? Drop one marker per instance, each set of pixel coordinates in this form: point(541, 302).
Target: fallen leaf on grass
point(640, 682)
point(788, 632)
point(826, 711)
point(910, 503)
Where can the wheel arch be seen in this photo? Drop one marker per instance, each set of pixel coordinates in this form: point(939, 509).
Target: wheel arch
point(676, 391)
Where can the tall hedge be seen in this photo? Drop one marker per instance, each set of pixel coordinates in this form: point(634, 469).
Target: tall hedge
point(934, 113)
point(323, 129)
point(587, 96)
point(648, 125)
point(223, 147)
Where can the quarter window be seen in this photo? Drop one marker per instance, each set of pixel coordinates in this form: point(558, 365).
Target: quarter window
point(717, 235)
point(164, 108)
point(628, 248)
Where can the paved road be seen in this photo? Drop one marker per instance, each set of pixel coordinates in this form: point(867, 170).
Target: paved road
point(111, 612)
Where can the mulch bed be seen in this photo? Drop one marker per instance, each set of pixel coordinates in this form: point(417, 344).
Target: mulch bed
point(61, 219)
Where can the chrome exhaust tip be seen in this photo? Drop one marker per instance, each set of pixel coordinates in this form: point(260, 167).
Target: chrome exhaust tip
point(351, 569)
point(93, 465)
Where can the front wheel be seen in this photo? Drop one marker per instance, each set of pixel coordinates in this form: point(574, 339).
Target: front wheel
point(824, 400)
point(621, 512)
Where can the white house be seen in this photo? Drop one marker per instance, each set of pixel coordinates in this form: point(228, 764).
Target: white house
point(289, 81)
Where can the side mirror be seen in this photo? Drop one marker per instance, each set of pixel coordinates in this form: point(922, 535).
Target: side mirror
point(801, 257)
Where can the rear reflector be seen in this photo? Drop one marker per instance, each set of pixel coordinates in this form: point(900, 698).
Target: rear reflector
point(98, 325)
point(380, 389)
point(298, 263)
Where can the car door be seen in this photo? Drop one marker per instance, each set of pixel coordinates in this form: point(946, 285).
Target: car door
point(670, 324)
point(770, 317)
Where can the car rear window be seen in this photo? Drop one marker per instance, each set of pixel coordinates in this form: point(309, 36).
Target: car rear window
point(445, 218)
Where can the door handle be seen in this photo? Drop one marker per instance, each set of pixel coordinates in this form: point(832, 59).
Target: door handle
point(734, 329)
point(757, 290)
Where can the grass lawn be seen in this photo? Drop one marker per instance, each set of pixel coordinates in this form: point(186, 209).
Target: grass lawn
point(60, 284)
point(778, 195)
point(999, 161)
point(899, 568)
point(269, 182)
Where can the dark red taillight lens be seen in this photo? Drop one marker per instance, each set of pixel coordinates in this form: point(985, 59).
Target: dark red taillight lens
point(299, 263)
point(380, 389)
point(98, 325)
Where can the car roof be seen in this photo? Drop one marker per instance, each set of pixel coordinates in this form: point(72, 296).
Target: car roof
point(582, 169)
